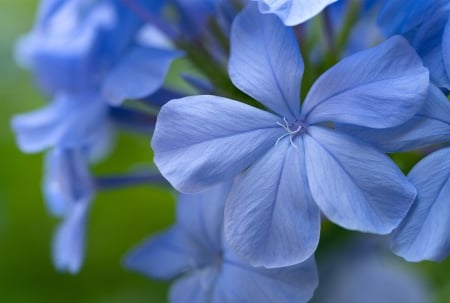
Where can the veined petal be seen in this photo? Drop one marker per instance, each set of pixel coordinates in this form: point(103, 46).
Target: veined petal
point(431, 125)
point(203, 140)
point(293, 12)
point(201, 215)
point(243, 283)
point(265, 61)
point(446, 48)
point(425, 232)
point(371, 88)
point(138, 74)
point(69, 243)
point(355, 186)
point(167, 255)
point(270, 217)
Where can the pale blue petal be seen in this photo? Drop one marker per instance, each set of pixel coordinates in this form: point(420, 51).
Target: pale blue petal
point(203, 140)
point(198, 287)
point(141, 72)
point(355, 185)
point(425, 232)
point(265, 61)
point(242, 283)
point(59, 124)
point(67, 180)
point(293, 12)
point(446, 48)
point(69, 242)
point(270, 217)
point(201, 216)
point(166, 255)
point(431, 125)
point(371, 88)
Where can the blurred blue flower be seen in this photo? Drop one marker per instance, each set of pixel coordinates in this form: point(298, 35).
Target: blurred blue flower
point(207, 270)
point(295, 165)
point(293, 12)
point(363, 272)
point(69, 189)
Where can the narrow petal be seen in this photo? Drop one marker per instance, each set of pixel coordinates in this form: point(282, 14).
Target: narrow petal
point(355, 185)
point(265, 61)
point(270, 217)
point(197, 287)
point(431, 125)
point(293, 12)
point(446, 48)
point(201, 215)
point(138, 74)
point(371, 88)
point(243, 283)
point(166, 255)
point(203, 140)
point(425, 232)
point(69, 242)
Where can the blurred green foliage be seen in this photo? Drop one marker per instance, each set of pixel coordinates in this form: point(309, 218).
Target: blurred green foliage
point(119, 219)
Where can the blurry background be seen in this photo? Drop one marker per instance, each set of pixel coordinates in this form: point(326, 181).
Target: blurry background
point(119, 220)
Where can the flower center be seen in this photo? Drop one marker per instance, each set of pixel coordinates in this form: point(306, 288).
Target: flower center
point(293, 129)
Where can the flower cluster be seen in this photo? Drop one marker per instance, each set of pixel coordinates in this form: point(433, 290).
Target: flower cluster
point(291, 110)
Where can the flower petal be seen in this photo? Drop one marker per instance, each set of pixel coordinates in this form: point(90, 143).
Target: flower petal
point(243, 283)
point(355, 185)
point(69, 242)
point(167, 255)
point(371, 88)
point(265, 61)
point(270, 219)
point(431, 125)
point(293, 12)
point(425, 232)
point(196, 287)
point(201, 215)
point(203, 140)
point(139, 74)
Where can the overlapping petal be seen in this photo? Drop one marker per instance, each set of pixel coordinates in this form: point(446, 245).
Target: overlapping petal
point(270, 217)
point(138, 74)
point(425, 232)
point(371, 88)
point(203, 140)
point(265, 61)
point(354, 185)
point(293, 12)
point(431, 125)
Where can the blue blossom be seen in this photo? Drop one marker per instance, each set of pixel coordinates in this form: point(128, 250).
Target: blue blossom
point(424, 234)
point(426, 26)
point(364, 272)
point(208, 271)
point(69, 189)
point(294, 165)
point(293, 12)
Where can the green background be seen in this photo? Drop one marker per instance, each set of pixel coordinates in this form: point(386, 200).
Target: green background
point(119, 219)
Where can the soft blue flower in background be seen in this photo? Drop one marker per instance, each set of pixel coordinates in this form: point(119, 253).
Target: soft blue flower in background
point(425, 232)
point(293, 12)
point(364, 272)
point(426, 26)
point(69, 189)
point(194, 251)
point(294, 163)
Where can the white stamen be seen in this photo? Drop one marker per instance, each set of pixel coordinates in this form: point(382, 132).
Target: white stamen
point(290, 132)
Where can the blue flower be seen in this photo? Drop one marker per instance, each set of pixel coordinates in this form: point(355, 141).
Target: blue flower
point(426, 26)
point(365, 272)
point(294, 164)
point(424, 234)
point(207, 269)
point(293, 12)
point(69, 189)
